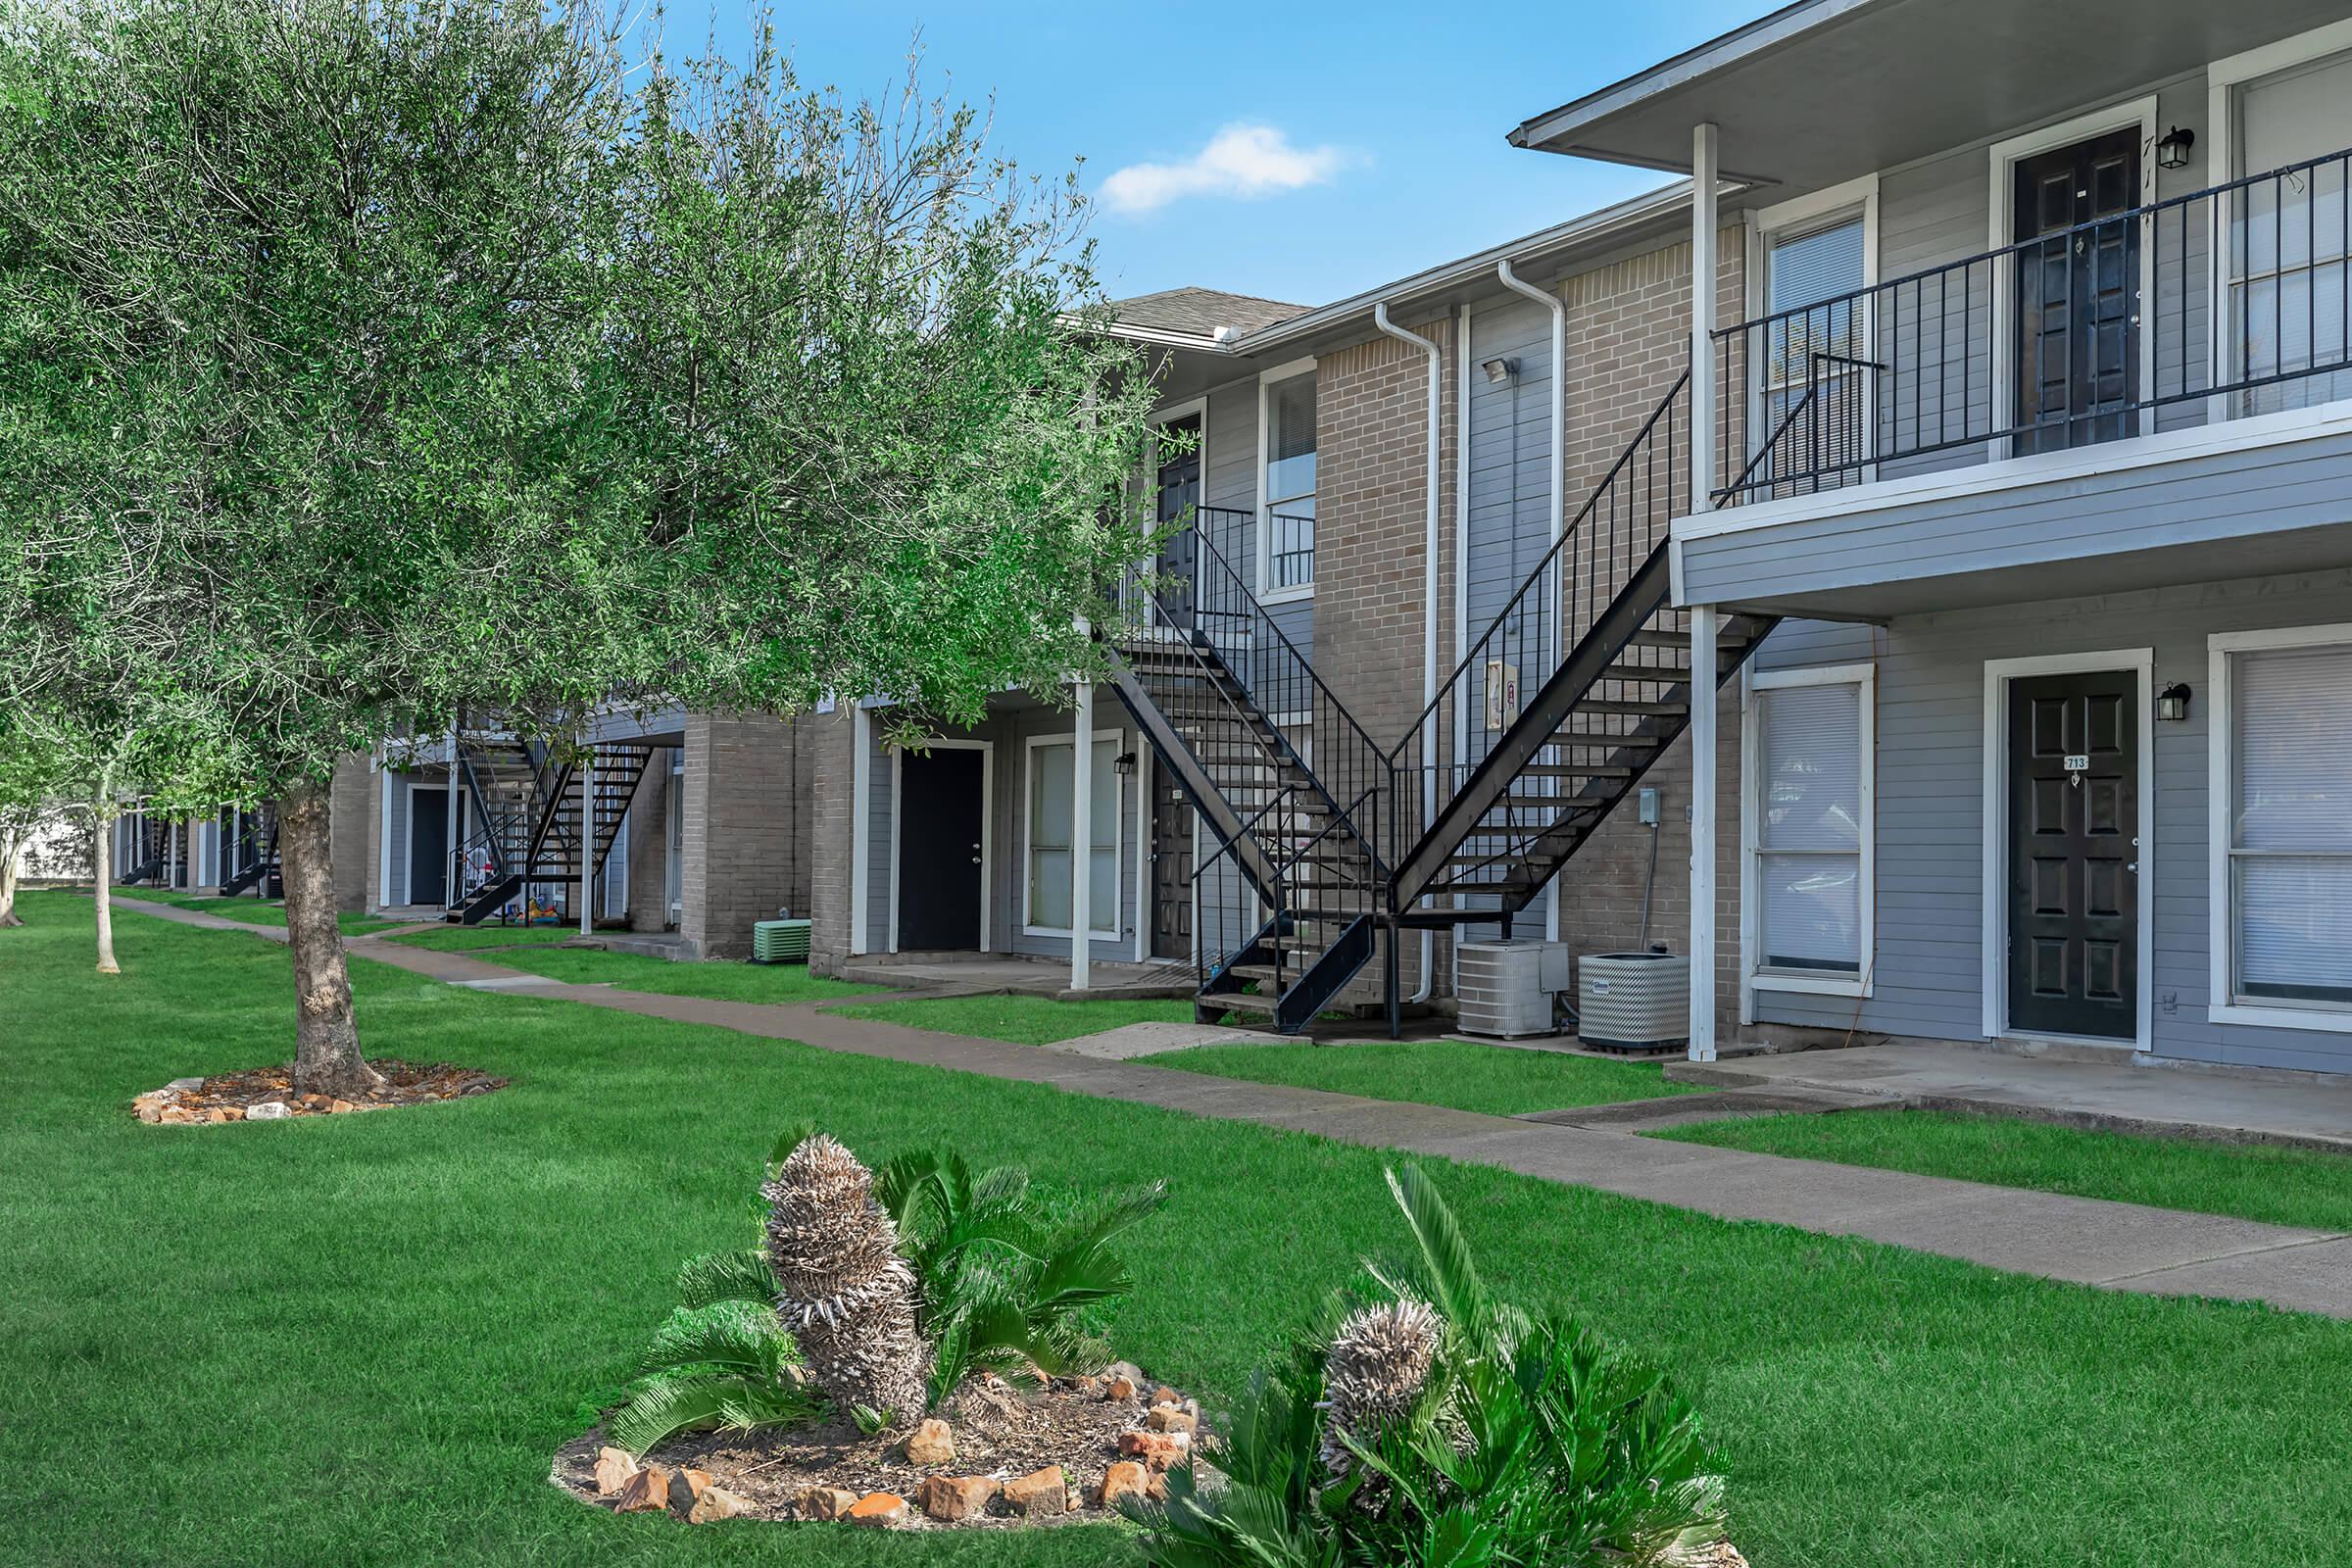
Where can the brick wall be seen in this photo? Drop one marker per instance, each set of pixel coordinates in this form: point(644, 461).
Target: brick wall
point(354, 829)
point(828, 741)
point(1629, 324)
point(746, 829)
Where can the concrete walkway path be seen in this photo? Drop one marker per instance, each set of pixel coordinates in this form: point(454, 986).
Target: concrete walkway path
point(2086, 1241)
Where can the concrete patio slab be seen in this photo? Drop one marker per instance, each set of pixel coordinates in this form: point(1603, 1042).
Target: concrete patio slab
point(2302, 1109)
point(1151, 1038)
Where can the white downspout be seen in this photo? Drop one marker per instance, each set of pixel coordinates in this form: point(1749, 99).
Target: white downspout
point(1557, 485)
point(1429, 604)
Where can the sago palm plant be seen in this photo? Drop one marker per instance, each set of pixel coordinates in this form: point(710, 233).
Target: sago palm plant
point(720, 1361)
point(1447, 1430)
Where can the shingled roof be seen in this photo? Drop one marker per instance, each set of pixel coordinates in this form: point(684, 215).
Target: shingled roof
point(1201, 312)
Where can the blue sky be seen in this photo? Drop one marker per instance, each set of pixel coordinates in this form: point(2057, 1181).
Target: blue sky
point(1300, 150)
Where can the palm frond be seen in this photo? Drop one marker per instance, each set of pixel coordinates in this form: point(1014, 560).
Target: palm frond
point(1450, 1275)
point(703, 1401)
point(727, 1333)
point(742, 1275)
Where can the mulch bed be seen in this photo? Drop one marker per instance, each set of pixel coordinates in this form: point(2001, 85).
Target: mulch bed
point(266, 1094)
point(1001, 1433)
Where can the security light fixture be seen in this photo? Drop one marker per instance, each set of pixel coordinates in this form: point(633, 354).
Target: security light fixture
point(1123, 764)
point(2172, 703)
point(2172, 152)
point(1500, 371)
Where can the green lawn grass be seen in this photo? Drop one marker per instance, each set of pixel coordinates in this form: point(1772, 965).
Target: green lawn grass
point(466, 937)
point(634, 971)
point(2253, 1181)
point(1023, 1020)
point(357, 1340)
point(250, 910)
point(1497, 1079)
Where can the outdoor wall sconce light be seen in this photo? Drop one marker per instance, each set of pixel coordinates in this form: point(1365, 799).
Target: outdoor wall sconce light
point(1123, 764)
point(2173, 150)
point(2172, 703)
point(1498, 371)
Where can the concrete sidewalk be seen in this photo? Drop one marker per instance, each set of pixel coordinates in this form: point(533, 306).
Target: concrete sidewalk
point(2087, 1241)
point(2300, 1110)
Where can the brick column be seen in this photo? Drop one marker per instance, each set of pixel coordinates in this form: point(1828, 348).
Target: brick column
point(829, 741)
point(355, 830)
point(746, 852)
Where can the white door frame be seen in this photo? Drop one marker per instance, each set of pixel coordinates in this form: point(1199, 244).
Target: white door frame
point(1999, 674)
point(988, 819)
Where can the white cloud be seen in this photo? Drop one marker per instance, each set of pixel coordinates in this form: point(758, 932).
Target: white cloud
point(1243, 161)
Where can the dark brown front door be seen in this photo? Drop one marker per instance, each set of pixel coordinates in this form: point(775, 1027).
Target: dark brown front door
point(2077, 293)
point(1171, 868)
point(2074, 854)
point(1179, 480)
point(940, 888)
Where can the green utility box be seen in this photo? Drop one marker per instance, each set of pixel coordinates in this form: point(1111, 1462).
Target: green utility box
point(780, 940)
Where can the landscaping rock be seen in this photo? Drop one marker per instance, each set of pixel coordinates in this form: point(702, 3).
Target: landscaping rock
point(828, 1502)
point(175, 1115)
point(1129, 1479)
point(1040, 1491)
point(336, 1108)
point(149, 1109)
point(613, 1467)
point(878, 1509)
point(269, 1110)
point(1156, 1450)
point(178, 1084)
point(1119, 1388)
point(932, 1443)
point(1168, 1418)
point(645, 1492)
point(953, 1498)
point(718, 1503)
point(1164, 1395)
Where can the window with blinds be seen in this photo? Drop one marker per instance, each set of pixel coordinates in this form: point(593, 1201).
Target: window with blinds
point(2290, 824)
point(1813, 389)
point(1810, 827)
point(2290, 237)
point(1289, 521)
point(1052, 789)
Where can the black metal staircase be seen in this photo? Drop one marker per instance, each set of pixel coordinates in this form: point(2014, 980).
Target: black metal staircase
point(1296, 796)
point(1327, 849)
point(536, 817)
point(252, 853)
point(1528, 776)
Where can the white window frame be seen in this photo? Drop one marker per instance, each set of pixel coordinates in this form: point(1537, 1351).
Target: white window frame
point(988, 816)
point(2005, 156)
point(1755, 975)
point(2222, 1004)
point(1994, 905)
point(1118, 858)
point(1264, 551)
point(2226, 79)
point(1817, 210)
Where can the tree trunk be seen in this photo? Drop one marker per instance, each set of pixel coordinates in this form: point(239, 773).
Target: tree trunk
point(102, 844)
point(12, 855)
point(326, 1032)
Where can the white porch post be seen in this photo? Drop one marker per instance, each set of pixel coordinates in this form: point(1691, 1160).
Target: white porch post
point(1703, 222)
point(172, 852)
point(588, 841)
point(453, 886)
point(1702, 833)
point(1082, 840)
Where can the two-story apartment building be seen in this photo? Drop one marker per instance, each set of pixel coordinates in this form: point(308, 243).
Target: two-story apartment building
point(2029, 433)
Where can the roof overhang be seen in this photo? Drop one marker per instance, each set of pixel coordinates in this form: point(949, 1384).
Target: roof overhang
point(1827, 90)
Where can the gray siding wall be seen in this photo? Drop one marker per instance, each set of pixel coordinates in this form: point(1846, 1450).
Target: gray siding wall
point(1930, 898)
point(396, 889)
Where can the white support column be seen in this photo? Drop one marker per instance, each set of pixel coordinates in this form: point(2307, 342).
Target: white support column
point(862, 828)
point(453, 872)
point(1082, 841)
point(1703, 832)
point(172, 852)
point(1704, 224)
point(587, 882)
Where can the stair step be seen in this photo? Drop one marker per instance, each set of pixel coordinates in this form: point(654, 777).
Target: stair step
point(1574, 771)
point(1672, 674)
point(1625, 710)
point(1242, 1001)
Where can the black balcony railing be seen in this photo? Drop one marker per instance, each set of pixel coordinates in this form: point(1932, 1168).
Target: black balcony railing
point(2217, 304)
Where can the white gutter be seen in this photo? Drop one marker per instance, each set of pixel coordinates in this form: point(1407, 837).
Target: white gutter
point(1428, 600)
point(1557, 485)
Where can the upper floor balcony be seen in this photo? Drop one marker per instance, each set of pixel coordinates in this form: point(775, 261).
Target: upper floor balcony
point(2006, 301)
